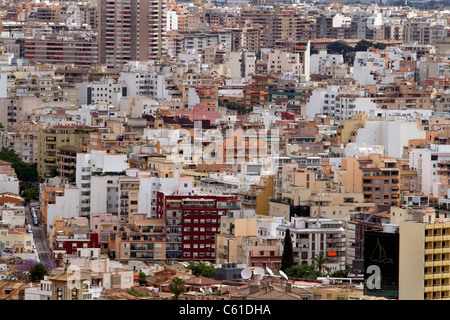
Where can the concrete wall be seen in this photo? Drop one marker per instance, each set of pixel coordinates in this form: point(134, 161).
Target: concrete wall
point(411, 264)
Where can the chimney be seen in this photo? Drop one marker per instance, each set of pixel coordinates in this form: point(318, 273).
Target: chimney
point(257, 279)
point(288, 287)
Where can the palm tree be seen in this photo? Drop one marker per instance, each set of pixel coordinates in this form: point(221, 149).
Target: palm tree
point(176, 286)
point(321, 260)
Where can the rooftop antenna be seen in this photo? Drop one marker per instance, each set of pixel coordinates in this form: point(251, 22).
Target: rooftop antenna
point(269, 271)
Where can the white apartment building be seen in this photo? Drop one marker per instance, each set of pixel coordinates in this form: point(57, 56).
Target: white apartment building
point(239, 65)
point(65, 206)
point(145, 84)
point(96, 162)
point(281, 62)
point(425, 161)
point(150, 186)
point(321, 61)
point(12, 215)
point(310, 236)
point(322, 102)
point(106, 91)
point(347, 105)
point(368, 66)
point(172, 20)
point(9, 184)
point(381, 133)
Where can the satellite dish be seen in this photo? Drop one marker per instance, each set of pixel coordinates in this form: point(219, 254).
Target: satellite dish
point(283, 275)
point(269, 271)
point(202, 290)
point(246, 273)
point(259, 271)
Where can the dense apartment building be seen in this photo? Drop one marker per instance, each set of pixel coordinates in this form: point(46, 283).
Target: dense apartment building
point(77, 49)
point(311, 236)
point(144, 239)
point(51, 138)
point(423, 32)
point(23, 138)
point(376, 176)
point(249, 239)
point(424, 265)
point(130, 30)
point(107, 226)
point(403, 95)
point(192, 223)
point(97, 174)
point(278, 23)
point(66, 159)
point(67, 235)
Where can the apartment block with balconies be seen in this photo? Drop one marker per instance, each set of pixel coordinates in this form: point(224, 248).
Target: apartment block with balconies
point(424, 265)
point(312, 236)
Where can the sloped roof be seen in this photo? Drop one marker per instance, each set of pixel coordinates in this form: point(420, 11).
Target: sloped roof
point(201, 281)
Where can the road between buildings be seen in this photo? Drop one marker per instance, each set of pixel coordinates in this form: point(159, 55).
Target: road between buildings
point(39, 235)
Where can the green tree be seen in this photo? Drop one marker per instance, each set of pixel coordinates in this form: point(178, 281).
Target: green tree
point(176, 286)
point(202, 269)
point(341, 273)
point(303, 271)
point(339, 47)
point(142, 278)
point(237, 107)
point(72, 176)
point(321, 260)
point(134, 292)
point(24, 172)
point(30, 193)
point(37, 272)
point(380, 46)
point(287, 259)
point(54, 171)
point(363, 45)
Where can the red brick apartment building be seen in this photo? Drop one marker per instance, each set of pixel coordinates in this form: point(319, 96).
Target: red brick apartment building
point(193, 221)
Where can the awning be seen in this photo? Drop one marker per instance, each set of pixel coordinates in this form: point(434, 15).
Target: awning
point(331, 253)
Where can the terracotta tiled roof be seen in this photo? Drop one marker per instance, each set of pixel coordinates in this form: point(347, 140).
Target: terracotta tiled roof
point(201, 281)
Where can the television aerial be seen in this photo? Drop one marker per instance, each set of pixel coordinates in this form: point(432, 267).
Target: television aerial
point(259, 271)
point(246, 273)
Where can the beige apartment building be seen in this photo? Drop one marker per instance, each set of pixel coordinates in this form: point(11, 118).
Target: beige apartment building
point(376, 176)
point(324, 197)
point(23, 138)
point(243, 239)
point(424, 264)
point(404, 94)
point(143, 239)
point(17, 239)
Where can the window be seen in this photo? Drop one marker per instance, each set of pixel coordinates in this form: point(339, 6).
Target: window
point(74, 294)
point(59, 294)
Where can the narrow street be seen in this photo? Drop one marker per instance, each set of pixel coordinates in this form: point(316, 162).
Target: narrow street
point(39, 234)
